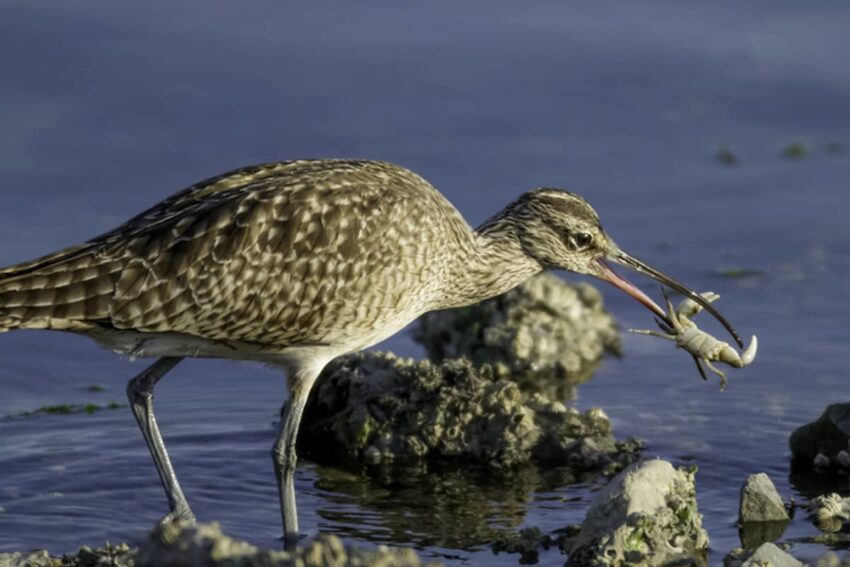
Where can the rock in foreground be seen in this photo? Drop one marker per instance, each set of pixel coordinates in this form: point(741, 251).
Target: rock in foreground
point(826, 441)
point(760, 502)
point(381, 408)
point(204, 545)
point(832, 559)
point(545, 326)
point(647, 515)
point(830, 511)
point(107, 556)
point(767, 554)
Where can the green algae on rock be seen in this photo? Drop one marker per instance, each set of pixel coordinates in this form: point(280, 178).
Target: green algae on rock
point(646, 515)
point(68, 409)
point(726, 156)
point(796, 150)
point(543, 327)
point(381, 408)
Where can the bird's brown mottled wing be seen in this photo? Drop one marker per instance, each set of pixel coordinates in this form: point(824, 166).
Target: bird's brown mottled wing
point(279, 254)
point(292, 260)
point(60, 291)
point(70, 287)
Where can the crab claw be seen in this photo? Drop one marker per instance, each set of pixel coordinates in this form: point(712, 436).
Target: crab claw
point(749, 354)
point(615, 254)
point(731, 357)
point(688, 307)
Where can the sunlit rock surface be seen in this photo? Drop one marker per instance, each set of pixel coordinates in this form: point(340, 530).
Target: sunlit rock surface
point(767, 554)
point(829, 512)
point(646, 515)
point(545, 328)
point(832, 559)
point(381, 408)
point(204, 545)
point(760, 502)
point(762, 516)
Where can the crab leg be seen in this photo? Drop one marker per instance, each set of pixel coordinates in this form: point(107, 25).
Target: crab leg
point(699, 367)
point(653, 333)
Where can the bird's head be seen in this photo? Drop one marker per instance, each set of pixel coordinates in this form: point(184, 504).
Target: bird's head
point(560, 230)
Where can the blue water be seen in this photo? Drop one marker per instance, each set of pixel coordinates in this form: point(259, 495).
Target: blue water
point(108, 107)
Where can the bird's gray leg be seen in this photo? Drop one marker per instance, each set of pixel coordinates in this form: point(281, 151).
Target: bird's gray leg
point(140, 394)
point(283, 452)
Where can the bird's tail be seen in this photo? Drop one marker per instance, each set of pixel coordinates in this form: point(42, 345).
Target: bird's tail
point(61, 291)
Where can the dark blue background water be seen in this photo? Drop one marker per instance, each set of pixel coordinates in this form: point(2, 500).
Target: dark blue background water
point(106, 108)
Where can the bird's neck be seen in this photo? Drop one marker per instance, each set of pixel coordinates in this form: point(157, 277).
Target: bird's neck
point(494, 264)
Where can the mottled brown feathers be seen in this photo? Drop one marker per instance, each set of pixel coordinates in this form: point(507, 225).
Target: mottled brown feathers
point(280, 254)
point(330, 253)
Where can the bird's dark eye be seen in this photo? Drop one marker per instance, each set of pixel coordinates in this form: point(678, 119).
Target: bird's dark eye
point(581, 240)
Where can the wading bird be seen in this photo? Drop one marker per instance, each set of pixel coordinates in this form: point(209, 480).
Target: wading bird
point(296, 263)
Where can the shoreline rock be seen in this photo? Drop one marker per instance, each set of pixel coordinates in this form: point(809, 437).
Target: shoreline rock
point(760, 501)
point(825, 442)
point(766, 554)
point(762, 515)
point(647, 515)
point(544, 329)
point(829, 512)
point(204, 545)
point(382, 409)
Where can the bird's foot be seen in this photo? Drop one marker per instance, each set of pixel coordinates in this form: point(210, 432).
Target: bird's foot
point(291, 539)
point(178, 515)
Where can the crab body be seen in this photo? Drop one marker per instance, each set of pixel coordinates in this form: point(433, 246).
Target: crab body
point(703, 347)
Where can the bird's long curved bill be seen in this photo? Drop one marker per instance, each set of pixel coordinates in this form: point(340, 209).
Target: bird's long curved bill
point(630, 261)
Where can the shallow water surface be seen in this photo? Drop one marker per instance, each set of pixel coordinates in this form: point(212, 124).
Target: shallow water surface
point(107, 108)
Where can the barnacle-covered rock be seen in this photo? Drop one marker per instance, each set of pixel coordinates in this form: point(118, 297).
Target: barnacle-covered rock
point(204, 545)
point(543, 328)
point(646, 515)
point(381, 408)
point(526, 542)
point(829, 512)
point(110, 555)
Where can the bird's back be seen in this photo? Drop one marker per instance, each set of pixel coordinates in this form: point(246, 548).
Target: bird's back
point(290, 253)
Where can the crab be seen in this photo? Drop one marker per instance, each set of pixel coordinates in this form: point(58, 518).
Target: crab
point(703, 347)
